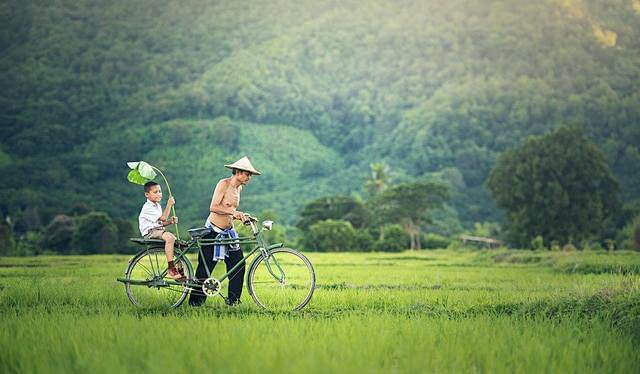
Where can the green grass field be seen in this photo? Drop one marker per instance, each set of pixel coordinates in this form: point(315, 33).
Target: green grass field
point(427, 311)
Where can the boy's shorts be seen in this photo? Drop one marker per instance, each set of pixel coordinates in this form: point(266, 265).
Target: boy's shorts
point(155, 233)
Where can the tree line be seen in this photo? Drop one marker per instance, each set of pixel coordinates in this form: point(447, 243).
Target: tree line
point(78, 231)
point(557, 190)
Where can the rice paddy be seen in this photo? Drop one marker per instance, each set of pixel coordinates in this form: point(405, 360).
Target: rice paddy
point(422, 311)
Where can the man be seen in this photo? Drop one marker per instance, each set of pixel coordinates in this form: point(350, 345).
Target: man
point(222, 212)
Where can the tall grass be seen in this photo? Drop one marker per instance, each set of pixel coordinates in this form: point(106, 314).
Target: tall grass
point(431, 311)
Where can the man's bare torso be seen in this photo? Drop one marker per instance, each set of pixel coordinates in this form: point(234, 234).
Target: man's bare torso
point(228, 197)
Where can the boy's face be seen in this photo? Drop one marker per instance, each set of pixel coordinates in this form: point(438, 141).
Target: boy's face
point(154, 194)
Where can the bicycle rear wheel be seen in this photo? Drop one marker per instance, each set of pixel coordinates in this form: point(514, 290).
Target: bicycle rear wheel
point(147, 267)
point(288, 286)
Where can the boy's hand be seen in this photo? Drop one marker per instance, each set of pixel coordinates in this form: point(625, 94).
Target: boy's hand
point(171, 201)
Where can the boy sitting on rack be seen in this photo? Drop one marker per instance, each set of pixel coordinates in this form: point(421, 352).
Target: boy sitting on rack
point(152, 221)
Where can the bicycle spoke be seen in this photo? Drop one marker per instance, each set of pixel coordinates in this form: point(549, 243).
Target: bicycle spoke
point(151, 264)
point(147, 270)
point(258, 282)
point(157, 264)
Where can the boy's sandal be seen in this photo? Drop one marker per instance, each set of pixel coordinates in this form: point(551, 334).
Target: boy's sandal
point(176, 275)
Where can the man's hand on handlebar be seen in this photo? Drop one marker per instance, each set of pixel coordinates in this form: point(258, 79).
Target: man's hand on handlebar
point(248, 218)
point(244, 217)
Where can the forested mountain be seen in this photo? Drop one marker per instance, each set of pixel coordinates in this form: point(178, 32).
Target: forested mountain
point(313, 91)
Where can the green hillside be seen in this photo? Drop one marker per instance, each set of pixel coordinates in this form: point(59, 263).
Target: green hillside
point(313, 91)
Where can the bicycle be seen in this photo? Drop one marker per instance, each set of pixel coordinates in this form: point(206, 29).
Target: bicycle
point(278, 278)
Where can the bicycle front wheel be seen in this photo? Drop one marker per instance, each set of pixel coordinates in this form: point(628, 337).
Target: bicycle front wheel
point(148, 288)
point(284, 280)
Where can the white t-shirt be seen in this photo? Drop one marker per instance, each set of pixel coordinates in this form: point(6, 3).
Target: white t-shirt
point(149, 217)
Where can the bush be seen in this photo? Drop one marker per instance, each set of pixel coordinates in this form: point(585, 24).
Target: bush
point(96, 233)
point(125, 231)
point(7, 242)
point(395, 240)
point(537, 243)
point(363, 241)
point(588, 245)
point(630, 235)
point(28, 244)
point(278, 234)
point(456, 245)
point(611, 244)
point(331, 235)
point(434, 241)
point(59, 234)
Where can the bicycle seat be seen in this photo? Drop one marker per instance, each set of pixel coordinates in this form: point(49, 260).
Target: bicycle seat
point(199, 232)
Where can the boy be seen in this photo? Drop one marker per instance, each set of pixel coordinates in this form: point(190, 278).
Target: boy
point(152, 221)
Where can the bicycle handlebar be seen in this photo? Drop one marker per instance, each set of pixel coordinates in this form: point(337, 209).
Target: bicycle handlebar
point(250, 219)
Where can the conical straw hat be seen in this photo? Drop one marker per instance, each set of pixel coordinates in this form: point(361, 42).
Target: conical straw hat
point(244, 164)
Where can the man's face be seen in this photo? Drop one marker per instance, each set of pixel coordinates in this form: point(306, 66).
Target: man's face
point(154, 194)
point(243, 176)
